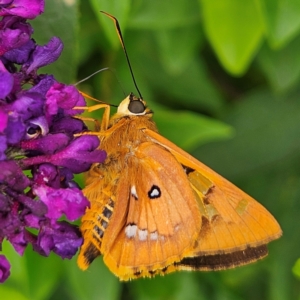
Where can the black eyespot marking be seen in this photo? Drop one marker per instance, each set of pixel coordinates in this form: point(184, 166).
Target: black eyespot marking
point(136, 107)
point(154, 192)
point(107, 213)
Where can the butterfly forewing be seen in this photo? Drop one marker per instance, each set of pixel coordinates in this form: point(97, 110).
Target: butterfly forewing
point(231, 220)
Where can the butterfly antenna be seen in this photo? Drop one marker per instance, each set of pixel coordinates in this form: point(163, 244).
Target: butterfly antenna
point(86, 78)
point(124, 48)
point(101, 70)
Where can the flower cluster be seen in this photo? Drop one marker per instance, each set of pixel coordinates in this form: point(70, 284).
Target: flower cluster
point(38, 151)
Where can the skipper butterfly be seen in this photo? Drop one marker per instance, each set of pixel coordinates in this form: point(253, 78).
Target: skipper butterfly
point(156, 209)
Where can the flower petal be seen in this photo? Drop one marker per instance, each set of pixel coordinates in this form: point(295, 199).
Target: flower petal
point(11, 175)
point(64, 97)
point(4, 268)
point(62, 238)
point(45, 55)
point(6, 83)
point(47, 144)
point(14, 32)
point(68, 201)
point(28, 9)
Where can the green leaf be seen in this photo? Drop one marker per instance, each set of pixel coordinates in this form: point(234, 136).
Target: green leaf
point(162, 15)
point(91, 37)
point(174, 286)
point(281, 18)
point(59, 15)
point(282, 67)
point(178, 47)
point(11, 293)
point(234, 29)
point(18, 279)
point(32, 275)
point(44, 274)
point(267, 131)
point(118, 9)
point(189, 130)
point(97, 283)
point(296, 268)
point(190, 89)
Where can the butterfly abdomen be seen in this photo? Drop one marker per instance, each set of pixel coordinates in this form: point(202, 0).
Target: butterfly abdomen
point(93, 228)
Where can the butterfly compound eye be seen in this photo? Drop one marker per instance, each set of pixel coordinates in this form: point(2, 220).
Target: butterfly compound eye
point(136, 107)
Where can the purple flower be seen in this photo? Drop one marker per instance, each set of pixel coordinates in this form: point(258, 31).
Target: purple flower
point(37, 128)
point(68, 201)
point(6, 82)
point(44, 55)
point(14, 33)
point(62, 98)
point(4, 268)
point(77, 156)
point(28, 9)
point(60, 238)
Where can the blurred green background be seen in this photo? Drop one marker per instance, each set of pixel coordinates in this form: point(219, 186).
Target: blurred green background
point(222, 77)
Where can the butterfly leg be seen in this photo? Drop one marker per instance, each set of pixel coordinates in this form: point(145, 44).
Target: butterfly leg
point(106, 114)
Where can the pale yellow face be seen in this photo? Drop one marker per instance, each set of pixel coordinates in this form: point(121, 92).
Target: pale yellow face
point(124, 107)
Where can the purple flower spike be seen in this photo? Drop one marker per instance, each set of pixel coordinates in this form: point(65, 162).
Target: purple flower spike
point(4, 268)
point(28, 9)
point(45, 55)
point(39, 151)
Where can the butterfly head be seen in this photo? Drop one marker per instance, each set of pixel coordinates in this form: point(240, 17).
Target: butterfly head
point(133, 106)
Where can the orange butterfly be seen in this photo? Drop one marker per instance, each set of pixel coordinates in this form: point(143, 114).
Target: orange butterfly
point(155, 209)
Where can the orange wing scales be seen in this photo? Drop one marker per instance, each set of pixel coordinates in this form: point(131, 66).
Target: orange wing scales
point(155, 209)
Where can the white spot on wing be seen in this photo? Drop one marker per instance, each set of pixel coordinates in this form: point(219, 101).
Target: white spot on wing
point(133, 192)
point(130, 230)
point(153, 236)
point(154, 193)
point(143, 234)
